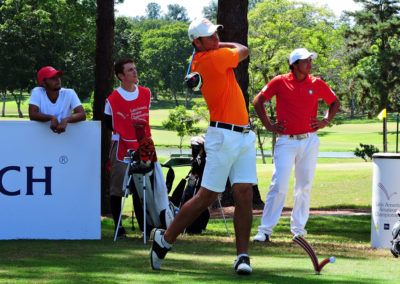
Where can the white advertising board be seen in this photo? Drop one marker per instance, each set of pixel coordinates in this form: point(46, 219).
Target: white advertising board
point(385, 198)
point(50, 183)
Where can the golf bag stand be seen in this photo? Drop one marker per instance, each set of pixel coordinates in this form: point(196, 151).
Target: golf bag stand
point(138, 182)
point(125, 188)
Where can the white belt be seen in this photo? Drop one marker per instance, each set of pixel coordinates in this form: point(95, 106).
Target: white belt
point(297, 136)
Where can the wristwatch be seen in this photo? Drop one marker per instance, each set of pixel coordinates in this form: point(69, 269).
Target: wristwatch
point(326, 120)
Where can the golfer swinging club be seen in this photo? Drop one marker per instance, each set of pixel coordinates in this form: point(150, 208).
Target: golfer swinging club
point(229, 144)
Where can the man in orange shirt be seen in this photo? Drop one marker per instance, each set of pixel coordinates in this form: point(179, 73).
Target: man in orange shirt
point(229, 144)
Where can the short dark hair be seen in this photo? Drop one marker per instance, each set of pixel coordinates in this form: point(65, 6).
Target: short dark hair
point(119, 66)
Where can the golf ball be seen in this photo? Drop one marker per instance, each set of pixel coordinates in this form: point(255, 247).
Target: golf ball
point(332, 259)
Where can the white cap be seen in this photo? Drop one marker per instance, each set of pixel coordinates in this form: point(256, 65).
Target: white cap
point(200, 28)
point(301, 53)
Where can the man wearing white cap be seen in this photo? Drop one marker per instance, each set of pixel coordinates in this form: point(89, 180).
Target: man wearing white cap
point(297, 94)
point(50, 102)
point(229, 144)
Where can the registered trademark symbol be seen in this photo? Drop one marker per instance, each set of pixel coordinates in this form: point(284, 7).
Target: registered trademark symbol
point(63, 160)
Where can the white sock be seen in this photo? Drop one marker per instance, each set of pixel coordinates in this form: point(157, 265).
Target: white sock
point(243, 254)
point(165, 243)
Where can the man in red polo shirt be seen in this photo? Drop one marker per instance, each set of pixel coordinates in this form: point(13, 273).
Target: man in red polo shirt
point(297, 94)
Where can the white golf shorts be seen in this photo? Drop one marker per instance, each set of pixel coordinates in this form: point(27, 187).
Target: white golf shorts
point(229, 154)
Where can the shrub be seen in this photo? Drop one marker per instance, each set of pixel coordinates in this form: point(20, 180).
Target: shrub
point(366, 151)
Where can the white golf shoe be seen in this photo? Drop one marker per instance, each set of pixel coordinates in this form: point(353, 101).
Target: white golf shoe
point(261, 237)
point(242, 265)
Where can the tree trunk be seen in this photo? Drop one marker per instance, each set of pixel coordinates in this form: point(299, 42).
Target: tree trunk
point(272, 117)
point(175, 99)
point(17, 100)
point(104, 82)
point(273, 145)
point(186, 98)
point(260, 144)
point(352, 107)
point(20, 114)
point(232, 14)
point(3, 109)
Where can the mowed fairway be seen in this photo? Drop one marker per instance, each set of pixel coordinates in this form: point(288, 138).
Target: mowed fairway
point(336, 184)
point(208, 258)
point(348, 136)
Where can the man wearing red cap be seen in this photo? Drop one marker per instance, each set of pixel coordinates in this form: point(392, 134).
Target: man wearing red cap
point(51, 102)
point(297, 95)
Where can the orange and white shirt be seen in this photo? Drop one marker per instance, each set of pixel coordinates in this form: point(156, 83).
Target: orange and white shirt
point(220, 89)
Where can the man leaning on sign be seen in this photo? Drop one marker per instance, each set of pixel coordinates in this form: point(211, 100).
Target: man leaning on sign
point(50, 102)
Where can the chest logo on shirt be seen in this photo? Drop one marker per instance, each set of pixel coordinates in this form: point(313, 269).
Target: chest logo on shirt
point(310, 92)
point(121, 114)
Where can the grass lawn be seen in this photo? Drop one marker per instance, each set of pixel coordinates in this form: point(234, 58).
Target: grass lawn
point(338, 183)
point(206, 258)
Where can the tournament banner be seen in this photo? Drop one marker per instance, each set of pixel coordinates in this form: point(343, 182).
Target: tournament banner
point(385, 198)
point(50, 183)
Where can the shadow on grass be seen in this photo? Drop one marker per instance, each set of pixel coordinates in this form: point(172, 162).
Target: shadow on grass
point(206, 258)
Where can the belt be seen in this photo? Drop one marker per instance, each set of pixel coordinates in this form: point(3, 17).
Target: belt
point(241, 129)
point(297, 136)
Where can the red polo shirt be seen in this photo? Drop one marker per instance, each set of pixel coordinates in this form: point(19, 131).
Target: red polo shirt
point(297, 102)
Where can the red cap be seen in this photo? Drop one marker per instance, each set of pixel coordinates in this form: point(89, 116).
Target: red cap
point(48, 72)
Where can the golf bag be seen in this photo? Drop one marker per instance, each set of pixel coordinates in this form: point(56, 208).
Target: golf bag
point(189, 186)
point(145, 181)
point(395, 249)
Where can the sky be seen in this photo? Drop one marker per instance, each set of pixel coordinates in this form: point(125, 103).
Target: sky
point(132, 8)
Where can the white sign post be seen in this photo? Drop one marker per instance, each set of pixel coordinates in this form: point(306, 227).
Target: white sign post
point(385, 198)
point(50, 183)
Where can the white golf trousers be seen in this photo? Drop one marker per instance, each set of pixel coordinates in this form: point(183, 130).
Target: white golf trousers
point(303, 155)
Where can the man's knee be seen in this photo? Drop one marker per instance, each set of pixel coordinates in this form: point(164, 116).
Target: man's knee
point(278, 188)
point(243, 192)
point(205, 196)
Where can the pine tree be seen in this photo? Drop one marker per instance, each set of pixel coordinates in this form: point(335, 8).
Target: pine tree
point(374, 51)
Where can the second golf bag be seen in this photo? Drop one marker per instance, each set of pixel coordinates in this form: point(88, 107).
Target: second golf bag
point(144, 179)
point(149, 193)
point(189, 186)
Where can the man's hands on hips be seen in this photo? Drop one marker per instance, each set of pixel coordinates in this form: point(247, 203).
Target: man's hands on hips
point(277, 127)
point(318, 124)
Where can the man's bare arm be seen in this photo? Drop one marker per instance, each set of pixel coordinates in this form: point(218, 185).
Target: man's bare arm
point(258, 104)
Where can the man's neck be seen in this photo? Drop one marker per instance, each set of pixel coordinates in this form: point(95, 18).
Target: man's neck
point(299, 75)
point(128, 87)
point(52, 95)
